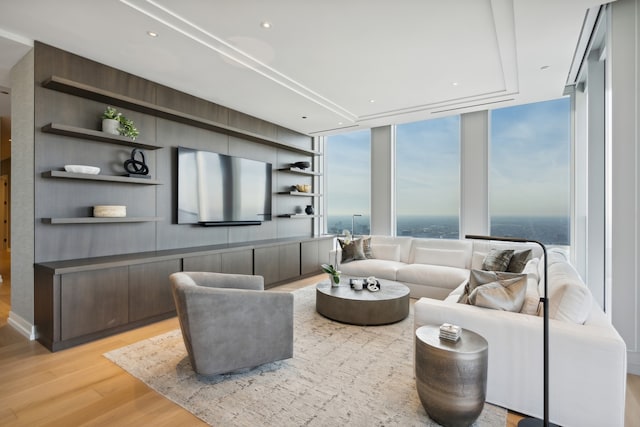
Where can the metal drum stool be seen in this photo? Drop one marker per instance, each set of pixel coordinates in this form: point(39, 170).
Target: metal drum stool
point(451, 377)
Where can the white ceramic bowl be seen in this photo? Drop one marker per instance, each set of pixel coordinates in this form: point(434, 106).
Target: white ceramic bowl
point(91, 170)
point(109, 211)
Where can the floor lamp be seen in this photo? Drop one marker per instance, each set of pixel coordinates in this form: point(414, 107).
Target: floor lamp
point(534, 422)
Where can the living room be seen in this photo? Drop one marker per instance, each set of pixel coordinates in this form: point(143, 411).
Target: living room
point(37, 242)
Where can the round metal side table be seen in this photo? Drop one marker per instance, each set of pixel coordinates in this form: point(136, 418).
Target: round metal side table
point(451, 377)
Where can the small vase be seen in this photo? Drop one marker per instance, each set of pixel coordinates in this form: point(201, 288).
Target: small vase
point(110, 126)
point(333, 283)
point(309, 210)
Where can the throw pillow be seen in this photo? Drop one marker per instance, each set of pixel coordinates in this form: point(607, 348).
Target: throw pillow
point(351, 251)
point(518, 261)
point(366, 247)
point(388, 252)
point(497, 260)
point(495, 289)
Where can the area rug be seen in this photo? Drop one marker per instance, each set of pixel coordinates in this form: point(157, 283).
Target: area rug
point(340, 375)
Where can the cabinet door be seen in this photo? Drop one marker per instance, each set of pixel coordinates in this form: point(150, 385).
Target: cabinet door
point(239, 262)
point(267, 264)
point(212, 263)
point(150, 290)
point(309, 257)
point(92, 301)
point(289, 261)
point(325, 246)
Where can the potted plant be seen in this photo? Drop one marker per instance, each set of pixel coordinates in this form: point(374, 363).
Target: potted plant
point(110, 120)
point(116, 123)
point(331, 271)
point(127, 128)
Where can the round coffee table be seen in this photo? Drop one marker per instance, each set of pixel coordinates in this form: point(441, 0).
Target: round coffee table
point(388, 305)
point(451, 377)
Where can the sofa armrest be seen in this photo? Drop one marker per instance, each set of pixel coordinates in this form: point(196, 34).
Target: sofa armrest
point(587, 364)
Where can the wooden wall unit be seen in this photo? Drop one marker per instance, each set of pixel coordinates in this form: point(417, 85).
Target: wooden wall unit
point(95, 276)
point(81, 300)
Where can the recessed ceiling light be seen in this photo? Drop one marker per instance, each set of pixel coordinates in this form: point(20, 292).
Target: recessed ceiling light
point(372, 101)
point(265, 24)
point(152, 34)
point(454, 83)
point(304, 117)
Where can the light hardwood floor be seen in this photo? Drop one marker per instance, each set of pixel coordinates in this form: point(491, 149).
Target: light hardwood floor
point(79, 386)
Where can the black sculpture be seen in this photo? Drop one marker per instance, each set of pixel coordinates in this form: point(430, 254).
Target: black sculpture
point(136, 167)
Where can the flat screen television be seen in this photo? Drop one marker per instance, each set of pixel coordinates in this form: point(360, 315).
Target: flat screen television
point(218, 189)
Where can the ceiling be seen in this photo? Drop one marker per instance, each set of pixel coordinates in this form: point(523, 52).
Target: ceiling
point(324, 66)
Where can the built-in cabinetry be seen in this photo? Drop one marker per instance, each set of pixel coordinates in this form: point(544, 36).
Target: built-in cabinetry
point(77, 301)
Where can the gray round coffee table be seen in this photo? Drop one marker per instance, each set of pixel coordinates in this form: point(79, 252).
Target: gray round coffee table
point(388, 305)
point(451, 377)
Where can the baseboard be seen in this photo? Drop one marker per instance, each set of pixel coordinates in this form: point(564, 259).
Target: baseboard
point(22, 326)
point(633, 362)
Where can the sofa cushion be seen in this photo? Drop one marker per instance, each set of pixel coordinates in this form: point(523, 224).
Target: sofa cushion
point(496, 290)
point(497, 259)
point(462, 251)
point(404, 242)
point(384, 251)
point(351, 250)
point(519, 260)
point(448, 257)
point(569, 299)
point(380, 268)
point(531, 304)
point(439, 276)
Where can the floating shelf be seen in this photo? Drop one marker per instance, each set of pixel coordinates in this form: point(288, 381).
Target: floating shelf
point(95, 135)
point(94, 220)
point(300, 171)
point(300, 193)
point(298, 216)
point(108, 178)
point(90, 92)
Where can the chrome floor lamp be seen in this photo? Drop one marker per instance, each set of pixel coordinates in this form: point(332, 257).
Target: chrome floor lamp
point(534, 422)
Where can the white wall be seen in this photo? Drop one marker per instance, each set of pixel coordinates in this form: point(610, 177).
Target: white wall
point(625, 174)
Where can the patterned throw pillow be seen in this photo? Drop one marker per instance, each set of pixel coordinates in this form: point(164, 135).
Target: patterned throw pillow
point(518, 261)
point(497, 260)
point(495, 289)
point(351, 251)
point(366, 247)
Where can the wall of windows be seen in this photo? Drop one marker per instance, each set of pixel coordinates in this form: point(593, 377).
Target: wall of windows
point(529, 171)
point(428, 178)
point(348, 192)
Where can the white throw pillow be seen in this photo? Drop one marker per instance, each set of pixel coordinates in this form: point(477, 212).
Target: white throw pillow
point(446, 257)
point(476, 260)
point(570, 303)
point(388, 252)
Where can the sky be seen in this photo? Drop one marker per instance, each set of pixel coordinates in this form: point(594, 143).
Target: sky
point(529, 164)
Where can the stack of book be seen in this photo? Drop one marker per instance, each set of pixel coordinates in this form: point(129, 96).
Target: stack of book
point(450, 332)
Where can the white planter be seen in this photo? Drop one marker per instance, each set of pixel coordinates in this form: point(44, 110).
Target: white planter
point(110, 126)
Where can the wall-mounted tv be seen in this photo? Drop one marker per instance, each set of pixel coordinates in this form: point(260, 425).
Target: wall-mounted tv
point(218, 189)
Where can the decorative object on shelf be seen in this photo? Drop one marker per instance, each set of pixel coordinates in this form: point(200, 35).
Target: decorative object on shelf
point(109, 211)
point(301, 165)
point(303, 188)
point(298, 209)
point(309, 210)
point(331, 271)
point(136, 167)
point(90, 170)
point(116, 123)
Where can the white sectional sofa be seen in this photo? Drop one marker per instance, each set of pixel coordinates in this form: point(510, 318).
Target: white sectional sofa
point(587, 357)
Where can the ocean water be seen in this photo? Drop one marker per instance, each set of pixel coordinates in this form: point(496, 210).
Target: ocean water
point(548, 230)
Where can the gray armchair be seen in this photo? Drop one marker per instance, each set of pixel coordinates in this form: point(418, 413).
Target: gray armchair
point(229, 322)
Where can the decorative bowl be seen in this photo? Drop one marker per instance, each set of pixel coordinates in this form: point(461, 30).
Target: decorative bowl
point(109, 211)
point(91, 170)
point(303, 188)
